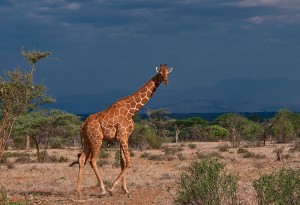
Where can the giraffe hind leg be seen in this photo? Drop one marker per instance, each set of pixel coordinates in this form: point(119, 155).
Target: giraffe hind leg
point(93, 164)
point(125, 150)
point(81, 160)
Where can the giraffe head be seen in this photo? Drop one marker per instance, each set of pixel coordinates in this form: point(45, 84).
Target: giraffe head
point(164, 71)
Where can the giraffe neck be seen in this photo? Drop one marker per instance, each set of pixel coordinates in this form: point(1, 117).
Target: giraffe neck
point(138, 99)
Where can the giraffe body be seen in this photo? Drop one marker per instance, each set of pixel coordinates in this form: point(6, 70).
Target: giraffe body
point(115, 123)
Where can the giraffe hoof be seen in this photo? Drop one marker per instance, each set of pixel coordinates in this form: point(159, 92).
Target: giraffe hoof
point(110, 191)
point(125, 191)
point(102, 193)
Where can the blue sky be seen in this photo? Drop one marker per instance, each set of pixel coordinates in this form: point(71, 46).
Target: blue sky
point(108, 45)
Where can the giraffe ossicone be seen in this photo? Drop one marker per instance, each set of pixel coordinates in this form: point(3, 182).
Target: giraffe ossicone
point(115, 123)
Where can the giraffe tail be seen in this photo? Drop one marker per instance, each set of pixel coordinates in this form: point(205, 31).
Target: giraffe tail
point(75, 162)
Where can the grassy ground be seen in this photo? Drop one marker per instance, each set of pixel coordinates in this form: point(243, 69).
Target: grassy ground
point(151, 180)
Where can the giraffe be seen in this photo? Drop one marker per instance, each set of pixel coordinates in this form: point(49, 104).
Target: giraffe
point(115, 123)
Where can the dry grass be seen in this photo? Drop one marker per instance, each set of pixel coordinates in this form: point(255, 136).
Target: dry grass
point(149, 181)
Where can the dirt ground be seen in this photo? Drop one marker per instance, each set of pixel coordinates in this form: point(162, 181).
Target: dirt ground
point(149, 181)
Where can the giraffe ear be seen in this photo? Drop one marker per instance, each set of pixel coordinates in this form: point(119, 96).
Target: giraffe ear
point(157, 69)
point(170, 70)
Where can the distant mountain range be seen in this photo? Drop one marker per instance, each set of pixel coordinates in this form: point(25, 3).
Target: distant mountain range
point(233, 95)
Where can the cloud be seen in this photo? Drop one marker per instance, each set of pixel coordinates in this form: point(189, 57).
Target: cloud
point(288, 4)
point(73, 6)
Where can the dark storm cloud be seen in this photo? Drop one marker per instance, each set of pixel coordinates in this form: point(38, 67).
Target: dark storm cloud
point(225, 38)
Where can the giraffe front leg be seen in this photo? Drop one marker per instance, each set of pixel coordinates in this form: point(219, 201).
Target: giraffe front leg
point(123, 179)
point(127, 164)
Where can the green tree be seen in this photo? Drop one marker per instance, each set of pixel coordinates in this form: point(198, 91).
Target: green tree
point(239, 128)
point(191, 128)
point(286, 126)
point(144, 136)
point(159, 120)
point(48, 128)
point(18, 94)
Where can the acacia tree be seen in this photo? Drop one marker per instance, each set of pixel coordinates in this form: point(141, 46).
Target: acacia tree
point(239, 127)
point(18, 94)
point(48, 128)
point(159, 120)
point(286, 126)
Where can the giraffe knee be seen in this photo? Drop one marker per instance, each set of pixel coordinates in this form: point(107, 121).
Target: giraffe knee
point(128, 163)
point(82, 160)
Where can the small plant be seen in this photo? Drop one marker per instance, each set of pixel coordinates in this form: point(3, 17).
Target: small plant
point(102, 162)
point(63, 159)
point(181, 157)
point(192, 146)
point(200, 155)
point(224, 148)
point(206, 182)
point(145, 155)
point(281, 187)
point(242, 150)
point(215, 154)
point(247, 154)
point(117, 158)
point(279, 151)
point(171, 150)
point(165, 176)
point(103, 154)
point(23, 160)
point(10, 165)
point(155, 157)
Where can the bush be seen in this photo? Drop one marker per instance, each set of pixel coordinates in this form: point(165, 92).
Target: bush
point(144, 136)
point(192, 146)
point(206, 182)
point(224, 148)
point(247, 154)
point(282, 187)
point(103, 154)
point(63, 159)
point(25, 159)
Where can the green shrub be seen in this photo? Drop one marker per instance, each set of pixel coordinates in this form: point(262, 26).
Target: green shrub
point(171, 150)
point(181, 157)
point(102, 162)
point(279, 188)
point(25, 159)
point(206, 182)
point(192, 146)
point(63, 159)
point(117, 158)
point(145, 155)
point(154, 141)
point(10, 165)
point(103, 154)
point(155, 157)
point(224, 148)
point(242, 150)
point(247, 154)
point(16, 154)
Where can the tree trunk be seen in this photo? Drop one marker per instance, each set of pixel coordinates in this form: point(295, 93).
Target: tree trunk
point(27, 143)
point(5, 133)
point(2, 148)
point(176, 135)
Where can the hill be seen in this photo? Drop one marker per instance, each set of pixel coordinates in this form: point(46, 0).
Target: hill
point(232, 95)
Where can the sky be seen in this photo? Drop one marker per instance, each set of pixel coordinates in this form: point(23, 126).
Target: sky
point(105, 45)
